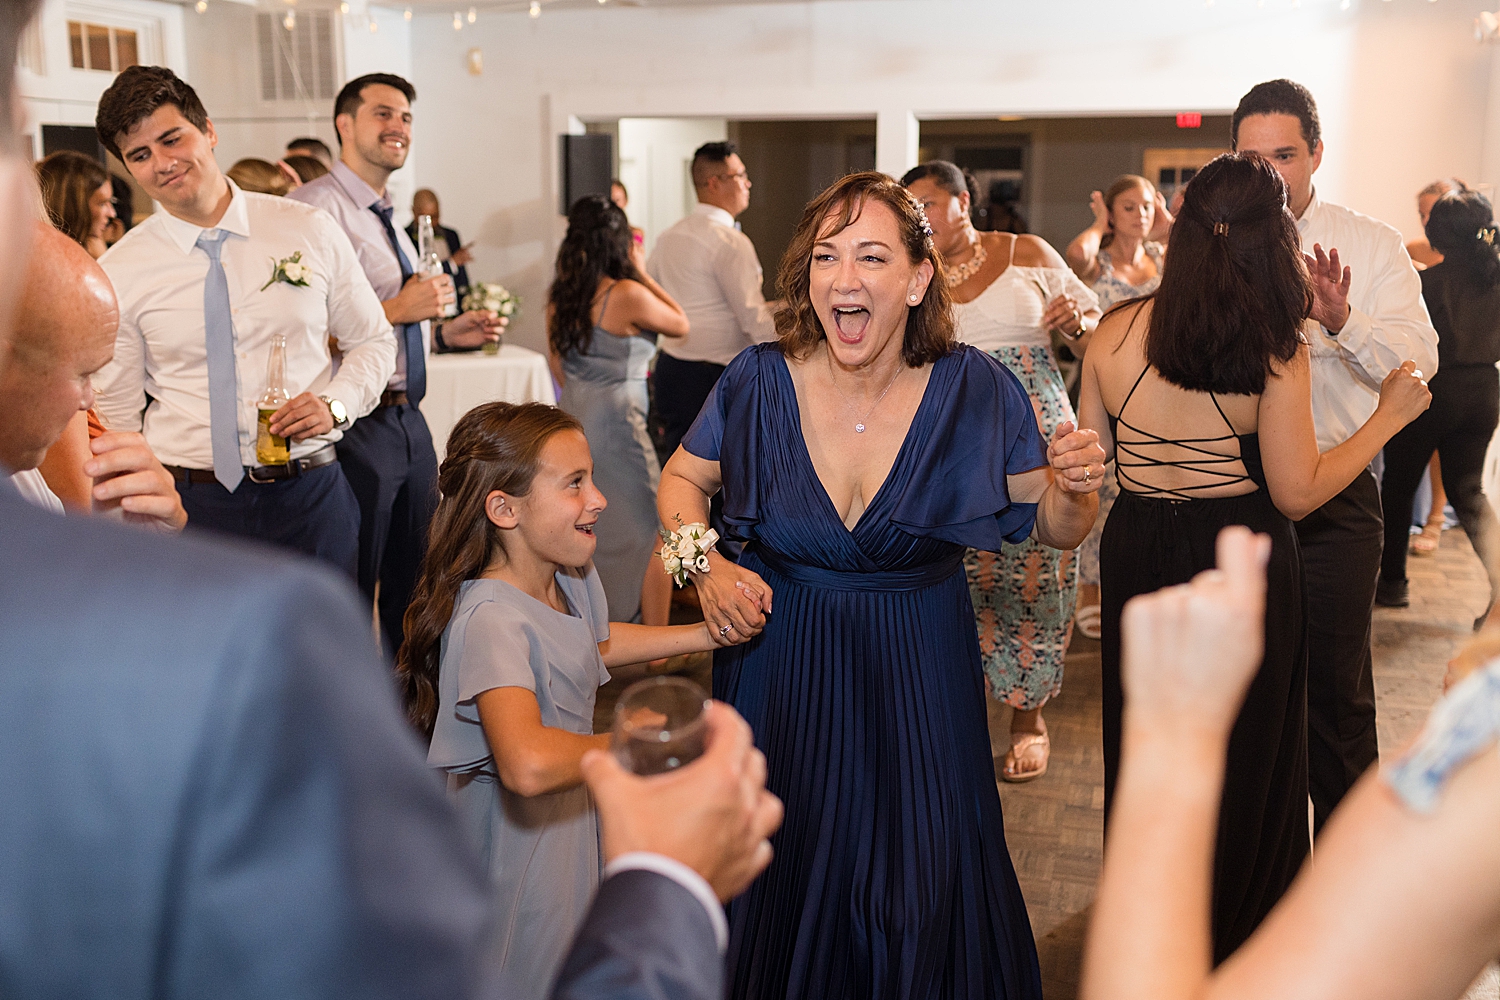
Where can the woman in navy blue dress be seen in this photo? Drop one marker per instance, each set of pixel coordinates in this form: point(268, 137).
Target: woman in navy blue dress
point(859, 456)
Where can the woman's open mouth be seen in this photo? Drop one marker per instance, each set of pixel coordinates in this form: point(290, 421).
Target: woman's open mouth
point(851, 322)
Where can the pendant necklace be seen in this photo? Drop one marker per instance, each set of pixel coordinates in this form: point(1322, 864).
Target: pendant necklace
point(963, 272)
point(859, 425)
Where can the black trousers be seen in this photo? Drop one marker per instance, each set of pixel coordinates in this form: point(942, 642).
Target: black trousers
point(1458, 426)
point(1341, 543)
point(314, 513)
point(678, 391)
point(389, 459)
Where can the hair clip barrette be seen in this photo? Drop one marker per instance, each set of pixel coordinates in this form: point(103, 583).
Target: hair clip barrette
point(1221, 229)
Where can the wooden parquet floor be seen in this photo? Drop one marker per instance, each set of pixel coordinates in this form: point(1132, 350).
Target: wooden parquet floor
point(1054, 826)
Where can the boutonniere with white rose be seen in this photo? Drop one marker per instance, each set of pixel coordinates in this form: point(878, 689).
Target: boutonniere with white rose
point(290, 271)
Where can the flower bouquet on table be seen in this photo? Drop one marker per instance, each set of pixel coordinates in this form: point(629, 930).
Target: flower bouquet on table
point(491, 296)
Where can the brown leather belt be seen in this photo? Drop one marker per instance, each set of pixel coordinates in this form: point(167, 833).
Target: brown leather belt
point(261, 473)
point(394, 397)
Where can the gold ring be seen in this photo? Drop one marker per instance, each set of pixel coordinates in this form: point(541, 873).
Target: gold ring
point(1088, 473)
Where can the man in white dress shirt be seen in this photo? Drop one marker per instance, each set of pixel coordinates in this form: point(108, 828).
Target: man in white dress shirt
point(1367, 319)
point(389, 456)
point(203, 288)
point(710, 267)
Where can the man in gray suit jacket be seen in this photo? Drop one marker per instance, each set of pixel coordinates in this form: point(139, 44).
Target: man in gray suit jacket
point(210, 791)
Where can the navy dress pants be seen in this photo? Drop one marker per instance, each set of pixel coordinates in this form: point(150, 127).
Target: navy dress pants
point(389, 459)
point(314, 513)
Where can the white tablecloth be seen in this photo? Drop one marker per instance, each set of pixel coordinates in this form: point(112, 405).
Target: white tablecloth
point(456, 383)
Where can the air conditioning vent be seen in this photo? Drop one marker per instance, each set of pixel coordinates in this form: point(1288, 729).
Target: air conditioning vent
point(299, 63)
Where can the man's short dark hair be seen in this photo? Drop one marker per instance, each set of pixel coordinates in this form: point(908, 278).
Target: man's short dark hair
point(311, 146)
point(708, 158)
point(351, 97)
point(136, 95)
point(1279, 97)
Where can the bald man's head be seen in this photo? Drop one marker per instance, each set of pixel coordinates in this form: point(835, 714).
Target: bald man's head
point(425, 202)
point(65, 332)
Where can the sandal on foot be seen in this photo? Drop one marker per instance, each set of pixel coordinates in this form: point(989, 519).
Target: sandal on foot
point(1020, 746)
point(1090, 620)
point(1427, 542)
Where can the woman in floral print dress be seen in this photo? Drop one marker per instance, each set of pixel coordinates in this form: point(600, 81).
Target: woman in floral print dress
point(1009, 293)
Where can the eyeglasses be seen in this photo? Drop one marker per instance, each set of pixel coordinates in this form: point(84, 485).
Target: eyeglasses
point(743, 175)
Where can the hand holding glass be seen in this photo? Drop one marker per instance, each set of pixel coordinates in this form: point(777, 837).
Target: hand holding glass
point(659, 725)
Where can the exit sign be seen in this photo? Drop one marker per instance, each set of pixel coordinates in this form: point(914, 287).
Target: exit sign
point(1189, 119)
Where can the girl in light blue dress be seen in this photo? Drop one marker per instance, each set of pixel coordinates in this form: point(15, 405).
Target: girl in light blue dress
point(508, 639)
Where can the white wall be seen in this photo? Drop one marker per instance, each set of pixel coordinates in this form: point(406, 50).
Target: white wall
point(63, 95)
point(655, 156)
point(1405, 93)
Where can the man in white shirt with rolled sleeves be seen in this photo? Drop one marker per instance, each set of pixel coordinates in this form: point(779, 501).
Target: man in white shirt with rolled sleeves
point(710, 268)
point(204, 286)
point(1368, 318)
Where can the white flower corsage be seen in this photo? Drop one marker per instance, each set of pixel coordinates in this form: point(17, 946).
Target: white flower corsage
point(289, 270)
point(490, 296)
point(687, 550)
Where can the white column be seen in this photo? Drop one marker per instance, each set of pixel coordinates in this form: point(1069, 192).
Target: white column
point(896, 135)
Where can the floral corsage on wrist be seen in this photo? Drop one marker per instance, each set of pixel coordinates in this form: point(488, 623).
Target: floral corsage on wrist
point(290, 271)
point(686, 550)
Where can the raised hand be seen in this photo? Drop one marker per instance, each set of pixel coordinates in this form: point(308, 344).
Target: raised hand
point(1077, 459)
point(1161, 228)
point(1330, 281)
point(1100, 210)
point(1190, 651)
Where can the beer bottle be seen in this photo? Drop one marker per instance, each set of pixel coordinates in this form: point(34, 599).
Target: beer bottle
point(271, 449)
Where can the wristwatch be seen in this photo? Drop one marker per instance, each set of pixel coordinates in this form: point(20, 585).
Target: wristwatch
point(337, 410)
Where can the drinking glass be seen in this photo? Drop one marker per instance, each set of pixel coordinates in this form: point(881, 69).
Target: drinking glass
point(659, 725)
point(491, 346)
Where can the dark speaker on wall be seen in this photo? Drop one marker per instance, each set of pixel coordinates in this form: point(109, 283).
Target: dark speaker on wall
point(79, 138)
point(587, 163)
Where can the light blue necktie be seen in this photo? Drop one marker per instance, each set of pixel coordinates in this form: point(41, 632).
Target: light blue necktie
point(223, 389)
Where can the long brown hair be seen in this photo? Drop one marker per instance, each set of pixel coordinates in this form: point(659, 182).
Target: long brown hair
point(929, 325)
point(495, 446)
point(597, 246)
point(68, 181)
point(1121, 184)
point(1234, 290)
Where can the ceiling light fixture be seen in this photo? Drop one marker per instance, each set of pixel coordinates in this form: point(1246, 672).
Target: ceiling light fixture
point(473, 15)
point(536, 9)
point(201, 6)
point(407, 14)
point(344, 7)
point(458, 21)
point(374, 26)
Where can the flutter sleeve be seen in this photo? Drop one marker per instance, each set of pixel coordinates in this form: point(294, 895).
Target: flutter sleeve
point(984, 432)
point(728, 431)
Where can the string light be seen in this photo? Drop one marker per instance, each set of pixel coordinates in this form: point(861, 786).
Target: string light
point(1344, 4)
point(458, 21)
point(536, 9)
point(201, 6)
point(374, 26)
point(407, 14)
point(473, 15)
point(290, 20)
point(344, 7)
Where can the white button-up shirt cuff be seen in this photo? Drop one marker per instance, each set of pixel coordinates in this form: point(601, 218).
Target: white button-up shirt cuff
point(683, 876)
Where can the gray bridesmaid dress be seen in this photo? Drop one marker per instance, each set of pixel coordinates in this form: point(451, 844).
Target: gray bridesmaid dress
point(542, 851)
point(606, 391)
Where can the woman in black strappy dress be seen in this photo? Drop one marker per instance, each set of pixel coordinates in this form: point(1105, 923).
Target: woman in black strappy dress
point(1202, 392)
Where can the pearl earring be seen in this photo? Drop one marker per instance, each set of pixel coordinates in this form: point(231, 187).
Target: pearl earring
point(914, 298)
